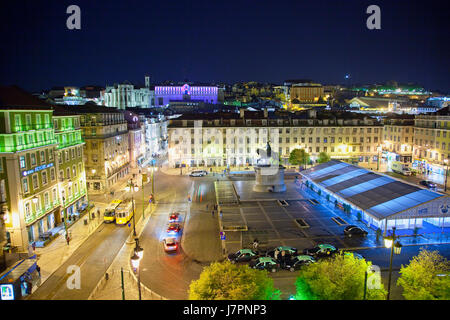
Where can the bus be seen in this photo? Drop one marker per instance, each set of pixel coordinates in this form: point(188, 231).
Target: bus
point(110, 212)
point(124, 212)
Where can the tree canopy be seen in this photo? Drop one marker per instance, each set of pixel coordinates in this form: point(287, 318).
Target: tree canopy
point(298, 157)
point(227, 281)
point(427, 277)
point(338, 278)
point(323, 157)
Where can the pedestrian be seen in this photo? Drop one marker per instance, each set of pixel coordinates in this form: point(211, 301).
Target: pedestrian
point(283, 257)
point(38, 269)
point(255, 244)
point(33, 245)
point(275, 255)
point(207, 205)
point(67, 239)
point(212, 213)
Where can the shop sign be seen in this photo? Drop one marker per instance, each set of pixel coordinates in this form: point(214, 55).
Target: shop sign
point(39, 168)
point(7, 292)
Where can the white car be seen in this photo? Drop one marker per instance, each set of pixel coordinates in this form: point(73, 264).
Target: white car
point(198, 173)
point(170, 244)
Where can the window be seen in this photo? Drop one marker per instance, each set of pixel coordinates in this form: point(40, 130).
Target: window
point(35, 182)
point(44, 177)
point(46, 200)
point(68, 173)
point(27, 210)
point(28, 120)
point(23, 163)
point(50, 155)
point(52, 174)
point(54, 197)
point(42, 156)
point(25, 185)
point(74, 171)
point(61, 174)
point(33, 159)
point(37, 206)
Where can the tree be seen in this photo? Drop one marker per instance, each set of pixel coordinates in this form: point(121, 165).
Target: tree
point(298, 157)
point(338, 278)
point(427, 277)
point(323, 157)
point(227, 281)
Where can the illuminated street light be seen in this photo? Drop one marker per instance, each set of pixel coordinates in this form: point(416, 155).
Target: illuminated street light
point(395, 248)
point(131, 186)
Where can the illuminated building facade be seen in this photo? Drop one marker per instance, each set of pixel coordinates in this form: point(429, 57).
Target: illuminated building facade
point(232, 139)
point(165, 94)
point(127, 95)
point(28, 181)
point(306, 93)
point(106, 152)
point(432, 142)
point(69, 165)
point(398, 139)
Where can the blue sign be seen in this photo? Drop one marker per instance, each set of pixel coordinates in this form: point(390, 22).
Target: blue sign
point(39, 168)
point(6, 292)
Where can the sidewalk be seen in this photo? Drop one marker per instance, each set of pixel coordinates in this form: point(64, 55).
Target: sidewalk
point(111, 289)
point(51, 257)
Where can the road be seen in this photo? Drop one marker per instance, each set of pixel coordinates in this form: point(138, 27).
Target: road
point(93, 257)
point(169, 275)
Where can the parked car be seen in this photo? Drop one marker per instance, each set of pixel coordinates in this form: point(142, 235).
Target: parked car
point(243, 255)
point(351, 231)
point(198, 173)
point(174, 216)
point(321, 250)
point(170, 244)
point(296, 262)
point(265, 263)
point(354, 254)
point(428, 184)
point(289, 251)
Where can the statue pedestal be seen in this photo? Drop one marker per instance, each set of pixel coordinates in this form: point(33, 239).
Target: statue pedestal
point(269, 179)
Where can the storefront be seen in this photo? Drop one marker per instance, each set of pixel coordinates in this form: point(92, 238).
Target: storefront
point(425, 167)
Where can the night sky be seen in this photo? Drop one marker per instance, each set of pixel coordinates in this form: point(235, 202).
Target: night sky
point(224, 41)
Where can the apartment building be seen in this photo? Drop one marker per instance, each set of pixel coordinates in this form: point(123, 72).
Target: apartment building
point(106, 149)
point(28, 181)
point(230, 139)
point(398, 139)
point(69, 164)
point(432, 142)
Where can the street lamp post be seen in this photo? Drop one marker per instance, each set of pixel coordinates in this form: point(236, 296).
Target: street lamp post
point(378, 158)
point(389, 242)
point(135, 262)
point(446, 175)
point(131, 186)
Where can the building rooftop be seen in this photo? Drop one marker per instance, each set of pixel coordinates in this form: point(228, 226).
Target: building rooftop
point(378, 195)
point(13, 97)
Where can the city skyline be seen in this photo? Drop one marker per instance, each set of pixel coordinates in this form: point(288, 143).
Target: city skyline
point(271, 42)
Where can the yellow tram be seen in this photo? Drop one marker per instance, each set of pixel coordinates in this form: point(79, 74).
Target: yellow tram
point(110, 212)
point(124, 212)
